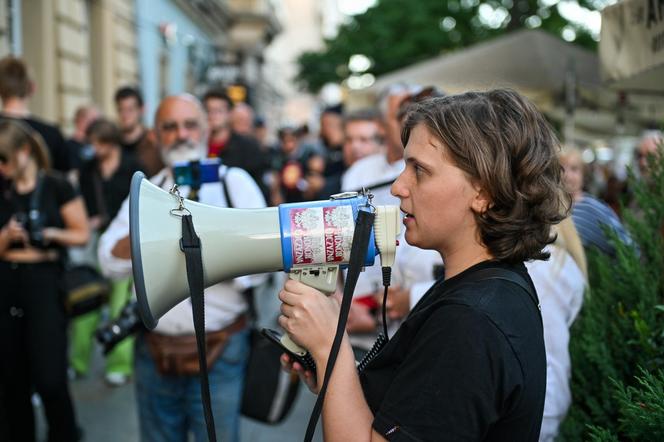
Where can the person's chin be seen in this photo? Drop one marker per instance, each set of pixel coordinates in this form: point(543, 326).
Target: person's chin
point(411, 237)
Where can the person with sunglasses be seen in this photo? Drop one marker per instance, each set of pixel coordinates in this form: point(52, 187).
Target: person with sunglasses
point(41, 215)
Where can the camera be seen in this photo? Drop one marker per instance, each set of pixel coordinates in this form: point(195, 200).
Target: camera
point(128, 323)
point(196, 173)
point(33, 223)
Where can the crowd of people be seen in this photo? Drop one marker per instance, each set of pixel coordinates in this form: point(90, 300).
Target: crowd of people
point(475, 199)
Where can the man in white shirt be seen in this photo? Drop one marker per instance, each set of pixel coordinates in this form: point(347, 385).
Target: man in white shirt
point(168, 396)
point(413, 271)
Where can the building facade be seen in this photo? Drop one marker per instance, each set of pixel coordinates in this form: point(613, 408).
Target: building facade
point(77, 51)
point(81, 51)
point(193, 46)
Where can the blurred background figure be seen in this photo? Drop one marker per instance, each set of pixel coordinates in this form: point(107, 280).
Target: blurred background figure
point(261, 134)
point(362, 137)
point(650, 141)
point(78, 144)
point(242, 120)
point(16, 88)
point(41, 215)
point(104, 182)
point(137, 140)
point(296, 169)
point(331, 140)
point(234, 149)
point(589, 213)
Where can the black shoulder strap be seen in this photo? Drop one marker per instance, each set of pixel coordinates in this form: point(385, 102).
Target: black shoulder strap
point(224, 187)
point(35, 198)
point(511, 276)
point(102, 207)
point(190, 244)
point(357, 254)
point(494, 273)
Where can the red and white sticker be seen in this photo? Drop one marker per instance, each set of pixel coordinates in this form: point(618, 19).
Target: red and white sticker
point(321, 235)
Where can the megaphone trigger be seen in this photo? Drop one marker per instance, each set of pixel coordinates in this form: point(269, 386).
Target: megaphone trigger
point(323, 278)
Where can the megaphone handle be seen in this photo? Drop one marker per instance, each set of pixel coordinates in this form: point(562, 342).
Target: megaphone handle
point(300, 355)
point(288, 343)
point(323, 278)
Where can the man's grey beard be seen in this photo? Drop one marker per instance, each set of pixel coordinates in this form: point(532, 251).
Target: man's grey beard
point(183, 151)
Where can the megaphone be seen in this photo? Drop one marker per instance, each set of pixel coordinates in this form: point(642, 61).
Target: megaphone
point(309, 240)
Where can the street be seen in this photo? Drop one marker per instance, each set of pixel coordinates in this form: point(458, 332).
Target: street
point(108, 414)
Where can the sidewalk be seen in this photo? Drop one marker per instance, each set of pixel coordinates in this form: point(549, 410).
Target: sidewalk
point(109, 414)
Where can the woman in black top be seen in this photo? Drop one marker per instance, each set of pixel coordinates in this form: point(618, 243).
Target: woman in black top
point(481, 186)
point(105, 179)
point(40, 215)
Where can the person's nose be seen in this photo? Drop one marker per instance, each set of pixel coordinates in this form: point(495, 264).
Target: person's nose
point(399, 188)
point(184, 134)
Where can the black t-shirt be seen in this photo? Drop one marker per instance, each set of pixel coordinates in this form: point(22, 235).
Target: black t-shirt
point(56, 192)
point(57, 147)
point(132, 147)
point(245, 153)
point(79, 153)
point(334, 169)
point(114, 190)
point(467, 364)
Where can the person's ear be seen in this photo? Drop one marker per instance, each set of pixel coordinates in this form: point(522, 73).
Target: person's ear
point(481, 201)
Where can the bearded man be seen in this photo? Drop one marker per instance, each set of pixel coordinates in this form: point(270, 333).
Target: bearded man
point(167, 390)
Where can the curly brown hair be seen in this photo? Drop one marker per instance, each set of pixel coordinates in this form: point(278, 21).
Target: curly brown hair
point(504, 144)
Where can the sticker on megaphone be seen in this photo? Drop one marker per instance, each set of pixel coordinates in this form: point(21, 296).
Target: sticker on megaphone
point(320, 233)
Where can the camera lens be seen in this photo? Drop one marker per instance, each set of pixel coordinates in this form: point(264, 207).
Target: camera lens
point(126, 324)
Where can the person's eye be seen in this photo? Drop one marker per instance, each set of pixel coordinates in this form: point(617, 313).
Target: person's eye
point(168, 127)
point(191, 125)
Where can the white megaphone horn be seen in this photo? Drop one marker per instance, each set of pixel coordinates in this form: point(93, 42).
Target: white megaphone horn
point(309, 240)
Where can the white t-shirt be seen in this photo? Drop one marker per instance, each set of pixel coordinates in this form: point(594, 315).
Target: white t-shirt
point(560, 285)
point(223, 302)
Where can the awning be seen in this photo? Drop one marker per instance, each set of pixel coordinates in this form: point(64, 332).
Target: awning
point(532, 61)
point(631, 45)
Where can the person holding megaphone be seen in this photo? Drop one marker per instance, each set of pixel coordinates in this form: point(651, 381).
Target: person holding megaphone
point(166, 361)
point(482, 186)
